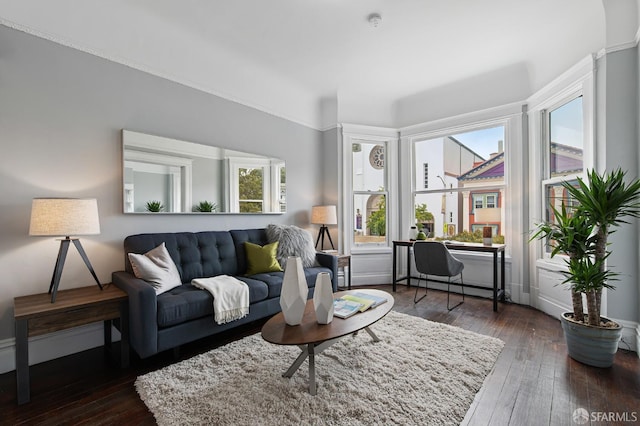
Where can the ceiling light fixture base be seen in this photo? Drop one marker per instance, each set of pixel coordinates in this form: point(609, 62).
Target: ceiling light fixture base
point(374, 19)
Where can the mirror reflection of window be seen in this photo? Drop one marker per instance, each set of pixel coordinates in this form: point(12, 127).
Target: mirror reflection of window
point(250, 190)
point(184, 176)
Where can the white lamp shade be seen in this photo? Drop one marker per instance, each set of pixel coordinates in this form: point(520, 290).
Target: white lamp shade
point(487, 215)
point(324, 215)
point(64, 217)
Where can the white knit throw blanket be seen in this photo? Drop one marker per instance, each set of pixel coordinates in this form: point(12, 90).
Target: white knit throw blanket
point(230, 297)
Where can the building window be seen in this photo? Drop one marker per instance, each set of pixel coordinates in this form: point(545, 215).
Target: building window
point(470, 173)
point(425, 172)
point(485, 200)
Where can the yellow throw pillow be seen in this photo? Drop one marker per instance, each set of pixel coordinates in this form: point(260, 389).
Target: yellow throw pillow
point(261, 259)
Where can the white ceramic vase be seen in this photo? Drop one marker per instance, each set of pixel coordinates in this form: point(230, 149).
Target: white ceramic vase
point(323, 298)
point(293, 296)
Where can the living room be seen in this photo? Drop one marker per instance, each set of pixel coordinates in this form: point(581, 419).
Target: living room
point(68, 94)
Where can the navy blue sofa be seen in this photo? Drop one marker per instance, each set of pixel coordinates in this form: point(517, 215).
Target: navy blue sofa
point(185, 313)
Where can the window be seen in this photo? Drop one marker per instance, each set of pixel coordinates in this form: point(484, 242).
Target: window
point(469, 170)
point(250, 190)
point(369, 192)
point(281, 190)
point(485, 200)
point(256, 185)
point(563, 138)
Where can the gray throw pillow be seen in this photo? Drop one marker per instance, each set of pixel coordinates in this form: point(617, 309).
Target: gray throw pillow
point(292, 241)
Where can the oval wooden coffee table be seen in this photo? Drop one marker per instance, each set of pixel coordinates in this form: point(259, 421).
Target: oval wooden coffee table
point(313, 338)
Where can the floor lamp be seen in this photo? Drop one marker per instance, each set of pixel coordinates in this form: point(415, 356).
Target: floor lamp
point(56, 217)
point(324, 215)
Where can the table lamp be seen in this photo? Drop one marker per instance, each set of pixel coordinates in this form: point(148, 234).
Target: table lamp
point(324, 215)
point(64, 217)
point(487, 216)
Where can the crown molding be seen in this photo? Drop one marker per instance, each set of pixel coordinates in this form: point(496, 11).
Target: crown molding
point(487, 116)
point(361, 129)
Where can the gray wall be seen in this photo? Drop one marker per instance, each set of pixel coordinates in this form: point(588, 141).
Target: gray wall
point(61, 116)
point(619, 139)
point(331, 142)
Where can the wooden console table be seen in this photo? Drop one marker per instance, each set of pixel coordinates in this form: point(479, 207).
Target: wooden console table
point(35, 315)
point(498, 293)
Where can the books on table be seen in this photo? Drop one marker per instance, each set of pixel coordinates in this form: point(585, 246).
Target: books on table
point(365, 303)
point(352, 303)
point(343, 308)
point(377, 300)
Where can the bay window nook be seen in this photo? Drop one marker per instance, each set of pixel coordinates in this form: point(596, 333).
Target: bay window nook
point(434, 176)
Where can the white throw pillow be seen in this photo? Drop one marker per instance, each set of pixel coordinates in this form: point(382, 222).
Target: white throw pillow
point(157, 268)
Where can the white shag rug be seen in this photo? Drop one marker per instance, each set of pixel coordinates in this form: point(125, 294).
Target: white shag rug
point(420, 372)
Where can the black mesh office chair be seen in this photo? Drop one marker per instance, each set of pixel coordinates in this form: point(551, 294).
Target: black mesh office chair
point(433, 258)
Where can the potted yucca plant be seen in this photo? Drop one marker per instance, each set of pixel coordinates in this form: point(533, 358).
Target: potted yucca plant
point(581, 232)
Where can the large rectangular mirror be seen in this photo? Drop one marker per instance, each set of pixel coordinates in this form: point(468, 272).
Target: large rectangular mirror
point(162, 175)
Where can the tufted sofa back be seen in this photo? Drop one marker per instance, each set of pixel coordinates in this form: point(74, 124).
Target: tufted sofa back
point(199, 254)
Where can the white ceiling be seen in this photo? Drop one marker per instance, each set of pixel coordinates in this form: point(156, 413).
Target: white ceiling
point(290, 57)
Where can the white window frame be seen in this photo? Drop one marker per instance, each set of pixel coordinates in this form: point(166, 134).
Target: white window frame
point(179, 170)
point(234, 164)
point(353, 134)
point(576, 82)
point(511, 118)
point(483, 196)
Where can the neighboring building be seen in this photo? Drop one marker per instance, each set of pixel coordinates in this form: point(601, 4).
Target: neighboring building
point(490, 172)
point(565, 160)
point(442, 161)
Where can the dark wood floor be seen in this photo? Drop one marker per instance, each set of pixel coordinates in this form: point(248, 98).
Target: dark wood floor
point(534, 382)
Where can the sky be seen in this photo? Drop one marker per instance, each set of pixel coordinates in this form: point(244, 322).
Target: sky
point(566, 128)
point(483, 142)
point(566, 123)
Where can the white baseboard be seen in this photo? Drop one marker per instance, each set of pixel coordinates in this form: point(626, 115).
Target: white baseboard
point(55, 345)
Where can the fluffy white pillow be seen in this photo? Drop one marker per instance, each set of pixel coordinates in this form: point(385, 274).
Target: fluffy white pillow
point(292, 241)
point(157, 268)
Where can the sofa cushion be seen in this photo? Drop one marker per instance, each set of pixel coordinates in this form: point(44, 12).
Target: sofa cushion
point(157, 268)
point(261, 259)
point(186, 302)
point(273, 280)
point(196, 255)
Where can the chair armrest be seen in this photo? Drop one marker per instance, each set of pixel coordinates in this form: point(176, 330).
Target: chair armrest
point(143, 308)
point(329, 261)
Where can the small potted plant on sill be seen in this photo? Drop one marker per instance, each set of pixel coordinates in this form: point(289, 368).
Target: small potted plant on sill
point(581, 233)
point(154, 206)
point(206, 207)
